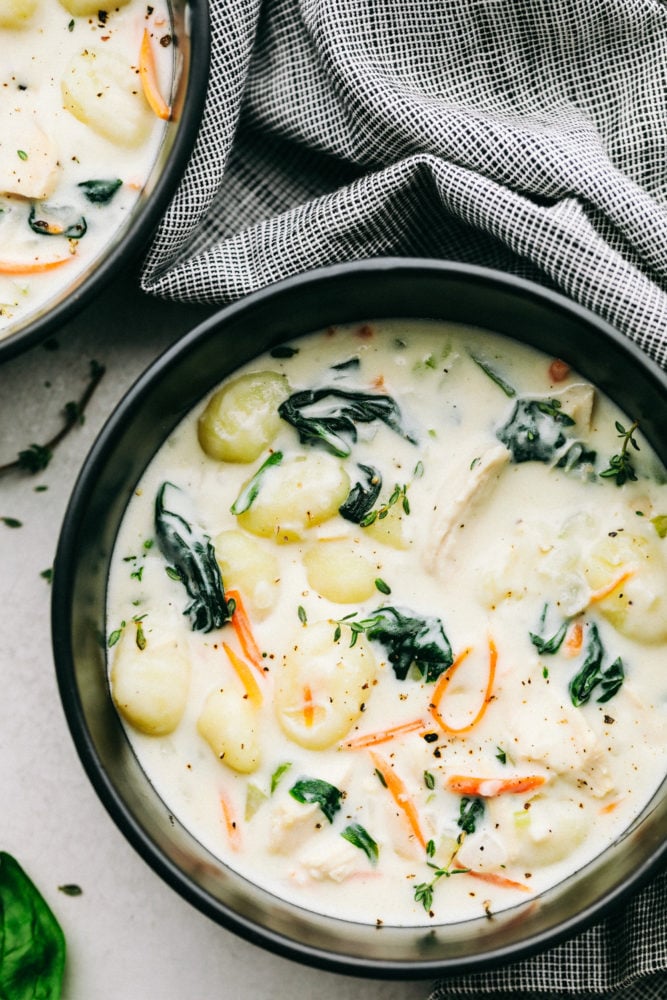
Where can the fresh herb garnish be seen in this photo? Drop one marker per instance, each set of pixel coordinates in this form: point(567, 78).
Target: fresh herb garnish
point(248, 494)
point(424, 891)
point(32, 944)
point(70, 889)
point(621, 468)
point(546, 645)
point(398, 493)
point(301, 612)
point(382, 586)
point(193, 558)
point(501, 755)
point(22, 155)
point(429, 780)
point(283, 351)
point(326, 796)
point(359, 837)
point(329, 416)
point(11, 522)
point(115, 635)
point(470, 810)
point(660, 524)
point(47, 574)
point(508, 389)
point(36, 457)
point(408, 640)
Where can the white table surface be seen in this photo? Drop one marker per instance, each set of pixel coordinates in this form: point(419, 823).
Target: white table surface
point(129, 936)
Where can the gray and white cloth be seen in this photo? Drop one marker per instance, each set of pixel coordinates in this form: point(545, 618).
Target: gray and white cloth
point(524, 135)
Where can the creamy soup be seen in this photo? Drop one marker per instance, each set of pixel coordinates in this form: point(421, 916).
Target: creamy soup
point(387, 622)
point(83, 93)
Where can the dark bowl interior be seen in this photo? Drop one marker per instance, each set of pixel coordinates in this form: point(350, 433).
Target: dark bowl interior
point(191, 48)
point(355, 292)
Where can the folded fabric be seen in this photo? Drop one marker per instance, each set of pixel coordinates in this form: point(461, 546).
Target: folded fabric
point(524, 135)
point(527, 135)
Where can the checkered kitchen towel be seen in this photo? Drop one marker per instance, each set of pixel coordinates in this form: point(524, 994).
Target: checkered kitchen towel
point(525, 135)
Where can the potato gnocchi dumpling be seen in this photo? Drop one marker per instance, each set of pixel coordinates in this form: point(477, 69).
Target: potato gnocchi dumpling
point(241, 419)
point(102, 89)
point(150, 686)
point(88, 8)
point(300, 493)
point(248, 566)
point(637, 606)
point(229, 724)
point(322, 686)
point(16, 13)
point(337, 570)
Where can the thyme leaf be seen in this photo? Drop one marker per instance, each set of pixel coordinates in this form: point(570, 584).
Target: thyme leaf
point(621, 468)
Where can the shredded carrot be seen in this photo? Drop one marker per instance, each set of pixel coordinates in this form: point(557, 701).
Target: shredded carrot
point(382, 736)
point(243, 629)
point(148, 74)
point(599, 595)
point(245, 674)
point(609, 808)
point(31, 267)
point(574, 640)
point(308, 707)
point(400, 796)
point(443, 684)
point(233, 831)
point(488, 788)
point(500, 880)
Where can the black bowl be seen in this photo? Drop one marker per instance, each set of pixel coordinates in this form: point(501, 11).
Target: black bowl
point(367, 290)
point(191, 34)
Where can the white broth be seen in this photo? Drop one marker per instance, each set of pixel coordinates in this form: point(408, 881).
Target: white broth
point(442, 688)
point(78, 136)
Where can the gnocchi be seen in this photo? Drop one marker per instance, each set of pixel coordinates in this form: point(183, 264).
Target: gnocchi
point(150, 686)
point(241, 419)
point(229, 724)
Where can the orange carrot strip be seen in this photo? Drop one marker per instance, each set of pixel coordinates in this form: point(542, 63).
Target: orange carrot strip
point(148, 74)
point(308, 706)
point(245, 674)
point(488, 788)
point(574, 640)
point(243, 629)
point(443, 684)
point(232, 827)
point(499, 880)
point(32, 267)
point(609, 808)
point(599, 595)
point(382, 736)
point(400, 796)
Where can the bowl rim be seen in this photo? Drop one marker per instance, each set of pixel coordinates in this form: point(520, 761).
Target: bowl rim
point(144, 219)
point(65, 571)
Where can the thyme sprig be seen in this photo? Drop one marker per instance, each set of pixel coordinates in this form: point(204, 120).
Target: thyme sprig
point(424, 891)
point(36, 457)
point(621, 468)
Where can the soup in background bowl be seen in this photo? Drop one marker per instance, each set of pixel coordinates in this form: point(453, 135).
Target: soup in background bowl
point(100, 113)
point(365, 658)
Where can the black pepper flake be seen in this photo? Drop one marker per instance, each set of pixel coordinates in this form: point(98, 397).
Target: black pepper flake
point(430, 737)
point(609, 721)
point(165, 41)
point(102, 16)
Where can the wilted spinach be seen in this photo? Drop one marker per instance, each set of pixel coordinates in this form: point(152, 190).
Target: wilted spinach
point(329, 416)
point(408, 640)
point(470, 810)
point(323, 794)
point(591, 673)
point(193, 559)
point(534, 431)
point(32, 944)
point(362, 496)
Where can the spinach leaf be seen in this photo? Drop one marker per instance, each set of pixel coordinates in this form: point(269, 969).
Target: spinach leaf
point(541, 643)
point(248, 494)
point(582, 684)
point(362, 496)
point(534, 431)
point(55, 220)
point(32, 944)
point(611, 680)
point(410, 640)
point(329, 416)
point(100, 192)
point(359, 837)
point(470, 810)
point(326, 796)
point(194, 563)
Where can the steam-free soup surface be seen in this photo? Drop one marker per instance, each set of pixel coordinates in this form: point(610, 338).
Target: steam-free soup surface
point(386, 622)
